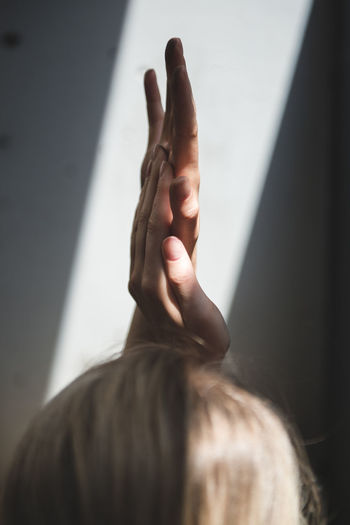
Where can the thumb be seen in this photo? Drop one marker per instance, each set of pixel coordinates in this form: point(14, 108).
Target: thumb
point(199, 313)
point(179, 270)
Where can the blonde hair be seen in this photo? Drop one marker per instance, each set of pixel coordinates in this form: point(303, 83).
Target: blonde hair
point(155, 438)
point(242, 467)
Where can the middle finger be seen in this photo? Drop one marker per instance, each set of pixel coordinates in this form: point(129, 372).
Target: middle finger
point(173, 58)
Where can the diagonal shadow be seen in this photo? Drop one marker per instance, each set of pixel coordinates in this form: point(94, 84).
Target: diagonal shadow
point(339, 341)
point(57, 60)
point(278, 318)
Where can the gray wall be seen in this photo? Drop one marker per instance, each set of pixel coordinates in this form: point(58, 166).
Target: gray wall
point(289, 316)
point(339, 337)
point(56, 61)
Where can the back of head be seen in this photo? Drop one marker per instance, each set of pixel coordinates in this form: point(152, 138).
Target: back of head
point(154, 438)
point(242, 467)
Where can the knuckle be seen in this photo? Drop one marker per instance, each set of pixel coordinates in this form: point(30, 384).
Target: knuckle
point(190, 212)
point(148, 288)
point(156, 120)
point(152, 226)
point(193, 132)
point(142, 219)
point(181, 278)
point(159, 152)
point(131, 288)
point(134, 287)
point(188, 133)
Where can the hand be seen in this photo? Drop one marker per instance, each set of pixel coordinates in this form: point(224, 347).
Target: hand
point(176, 130)
point(163, 281)
point(171, 299)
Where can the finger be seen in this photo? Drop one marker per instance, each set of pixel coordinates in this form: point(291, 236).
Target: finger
point(137, 212)
point(158, 227)
point(185, 131)
point(149, 155)
point(155, 117)
point(159, 154)
point(201, 317)
point(143, 215)
point(173, 58)
point(155, 110)
point(185, 209)
point(155, 288)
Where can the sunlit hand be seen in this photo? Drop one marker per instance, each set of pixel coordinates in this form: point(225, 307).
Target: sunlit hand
point(172, 136)
point(163, 281)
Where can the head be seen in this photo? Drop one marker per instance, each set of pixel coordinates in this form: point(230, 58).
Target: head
point(155, 438)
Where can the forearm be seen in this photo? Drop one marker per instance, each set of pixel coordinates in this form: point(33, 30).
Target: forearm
point(139, 331)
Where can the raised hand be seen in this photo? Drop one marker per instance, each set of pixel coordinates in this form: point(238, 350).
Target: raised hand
point(166, 224)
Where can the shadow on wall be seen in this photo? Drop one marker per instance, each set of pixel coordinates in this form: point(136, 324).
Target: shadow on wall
point(278, 318)
point(57, 60)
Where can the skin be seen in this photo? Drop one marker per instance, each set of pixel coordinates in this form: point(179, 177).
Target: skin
point(166, 224)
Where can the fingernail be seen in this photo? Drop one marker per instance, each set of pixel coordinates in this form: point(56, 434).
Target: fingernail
point(148, 169)
point(163, 167)
point(154, 152)
point(174, 46)
point(172, 248)
point(157, 149)
point(172, 43)
point(148, 74)
point(164, 150)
